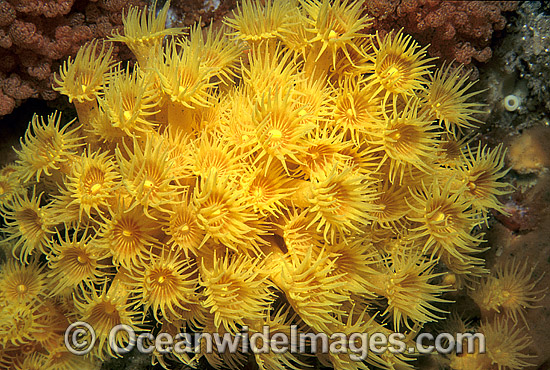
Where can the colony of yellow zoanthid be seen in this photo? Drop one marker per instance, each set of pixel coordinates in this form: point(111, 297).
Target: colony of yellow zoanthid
point(290, 167)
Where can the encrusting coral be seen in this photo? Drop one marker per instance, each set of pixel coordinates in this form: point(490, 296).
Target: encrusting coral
point(299, 169)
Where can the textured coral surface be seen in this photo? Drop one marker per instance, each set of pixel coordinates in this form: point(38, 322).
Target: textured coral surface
point(460, 30)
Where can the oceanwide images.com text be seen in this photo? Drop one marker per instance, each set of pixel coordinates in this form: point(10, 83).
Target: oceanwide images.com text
point(80, 339)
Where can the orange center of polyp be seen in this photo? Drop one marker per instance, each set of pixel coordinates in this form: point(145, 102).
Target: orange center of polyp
point(439, 216)
point(109, 308)
point(275, 134)
point(83, 258)
point(22, 288)
point(127, 115)
point(95, 188)
point(392, 76)
point(392, 71)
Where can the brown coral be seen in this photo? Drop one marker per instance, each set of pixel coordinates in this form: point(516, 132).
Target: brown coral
point(459, 30)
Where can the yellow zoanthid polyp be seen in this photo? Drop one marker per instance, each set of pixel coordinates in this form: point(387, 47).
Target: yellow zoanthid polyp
point(279, 321)
point(182, 227)
point(22, 284)
point(224, 213)
point(297, 237)
point(447, 99)
point(316, 97)
point(218, 53)
point(324, 150)
point(9, 184)
point(145, 30)
point(82, 79)
point(236, 290)
point(286, 169)
point(183, 78)
point(407, 140)
point(509, 291)
point(33, 362)
point(91, 183)
point(129, 100)
point(148, 174)
point(267, 188)
point(400, 65)
point(444, 220)
point(295, 36)
point(391, 207)
point(20, 322)
point(336, 26)
point(211, 153)
point(76, 261)
point(127, 235)
point(358, 110)
point(28, 225)
point(255, 22)
point(314, 294)
point(358, 321)
point(47, 147)
point(341, 202)
point(280, 127)
point(166, 283)
point(104, 310)
point(352, 265)
point(481, 172)
point(61, 358)
point(269, 72)
point(406, 282)
point(505, 345)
